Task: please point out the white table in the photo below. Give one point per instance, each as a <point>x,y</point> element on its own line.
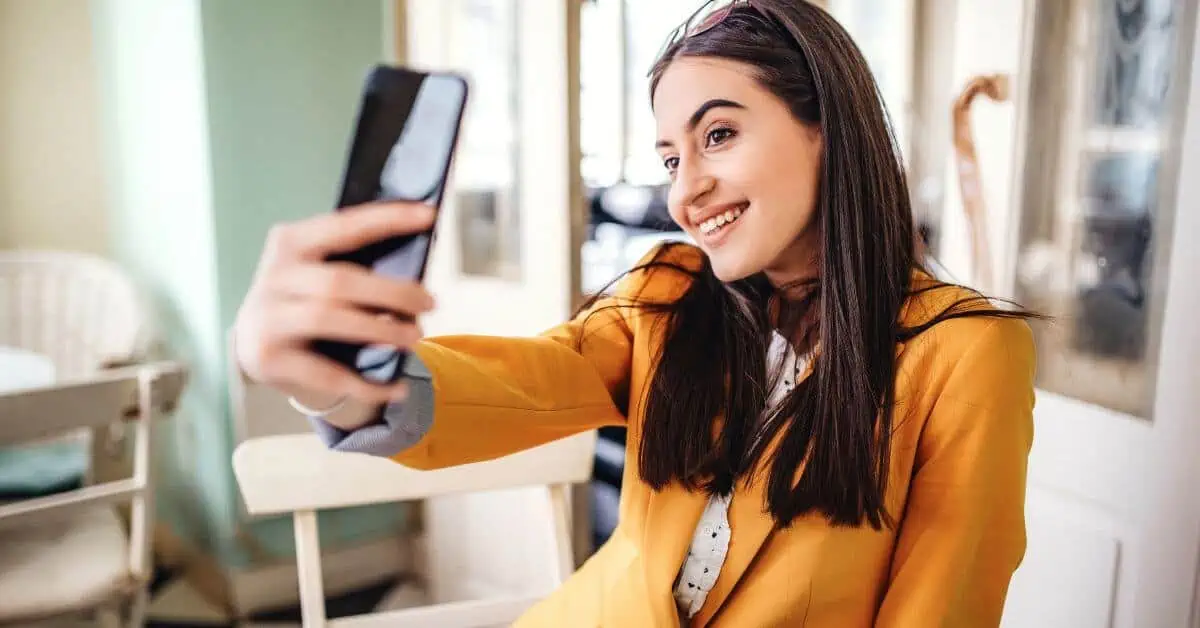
<point>21,369</point>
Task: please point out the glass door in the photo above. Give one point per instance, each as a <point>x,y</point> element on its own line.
<point>1089,232</point>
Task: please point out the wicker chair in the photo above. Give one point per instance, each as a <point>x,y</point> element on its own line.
<point>81,311</point>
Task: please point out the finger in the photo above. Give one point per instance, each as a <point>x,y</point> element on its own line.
<point>348,229</point>
<point>321,375</point>
<point>305,321</point>
<point>355,286</point>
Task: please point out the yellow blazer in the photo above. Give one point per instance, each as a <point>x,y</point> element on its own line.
<point>957,487</point>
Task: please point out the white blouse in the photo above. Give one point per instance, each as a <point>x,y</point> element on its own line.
<point>710,541</point>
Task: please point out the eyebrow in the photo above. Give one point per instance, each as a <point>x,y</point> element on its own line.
<point>701,111</point>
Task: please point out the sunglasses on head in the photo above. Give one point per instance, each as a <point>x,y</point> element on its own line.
<point>707,16</point>
<point>712,13</point>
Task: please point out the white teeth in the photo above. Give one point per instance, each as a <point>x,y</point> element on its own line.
<point>720,220</point>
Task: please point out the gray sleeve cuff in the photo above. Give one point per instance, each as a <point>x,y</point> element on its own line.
<point>404,422</point>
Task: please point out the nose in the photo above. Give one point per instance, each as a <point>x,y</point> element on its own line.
<point>691,185</point>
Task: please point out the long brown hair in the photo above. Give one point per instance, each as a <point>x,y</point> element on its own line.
<point>709,389</point>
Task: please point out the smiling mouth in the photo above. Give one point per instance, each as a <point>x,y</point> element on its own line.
<point>722,220</point>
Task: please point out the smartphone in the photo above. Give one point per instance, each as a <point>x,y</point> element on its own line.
<point>403,146</point>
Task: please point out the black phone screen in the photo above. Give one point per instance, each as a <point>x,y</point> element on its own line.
<point>403,145</point>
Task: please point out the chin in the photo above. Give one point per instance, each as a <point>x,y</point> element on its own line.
<point>730,267</point>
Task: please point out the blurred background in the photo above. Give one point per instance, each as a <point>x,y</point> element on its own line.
<point>1053,151</point>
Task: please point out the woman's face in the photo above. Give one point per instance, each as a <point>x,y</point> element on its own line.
<point>744,172</point>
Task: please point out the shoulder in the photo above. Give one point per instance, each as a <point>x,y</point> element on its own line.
<point>929,297</point>
<point>975,354</point>
<point>664,273</point>
<point>968,315</point>
<point>967,384</point>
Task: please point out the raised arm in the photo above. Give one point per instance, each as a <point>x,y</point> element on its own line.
<point>491,396</point>
<point>496,395</point>
<point>464,398</point>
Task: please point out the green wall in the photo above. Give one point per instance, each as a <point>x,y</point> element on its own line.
<point>222,117</point>
<point>283,82</point>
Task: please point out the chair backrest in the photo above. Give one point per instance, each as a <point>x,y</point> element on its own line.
<point>283,473</point>
<point>78,309</point>
<point>295,474</point>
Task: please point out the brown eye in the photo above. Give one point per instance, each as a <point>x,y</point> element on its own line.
<point>671,164</point>
<point>718,136</point>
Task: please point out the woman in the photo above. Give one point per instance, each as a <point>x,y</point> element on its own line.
<point>820,433</point>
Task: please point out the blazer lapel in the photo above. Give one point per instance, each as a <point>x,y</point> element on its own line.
<point>670,524</point>
<point>750,525</point>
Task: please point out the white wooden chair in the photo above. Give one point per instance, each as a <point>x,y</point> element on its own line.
<point>296,474</point>
<point>69,553</point>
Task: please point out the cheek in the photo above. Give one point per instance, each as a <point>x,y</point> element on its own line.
<point>789,188</point>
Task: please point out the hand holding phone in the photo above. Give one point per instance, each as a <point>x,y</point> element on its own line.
<point>403,147</point>
<point>297,296</point>
<point>361,308</point>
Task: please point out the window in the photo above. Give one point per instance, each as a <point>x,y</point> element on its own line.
<point>621,38</point>
<point>484,39</point>
<point>619,42</point>
<point>883,30</point>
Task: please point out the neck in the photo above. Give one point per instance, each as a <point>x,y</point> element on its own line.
<point>797,268</point>
<point>794,309</point>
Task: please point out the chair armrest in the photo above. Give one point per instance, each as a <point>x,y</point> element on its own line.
<point>286,473</point>
<point>100,399</point>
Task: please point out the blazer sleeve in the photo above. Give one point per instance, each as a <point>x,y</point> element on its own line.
<point>493,396</point>
<point>963,531</point>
